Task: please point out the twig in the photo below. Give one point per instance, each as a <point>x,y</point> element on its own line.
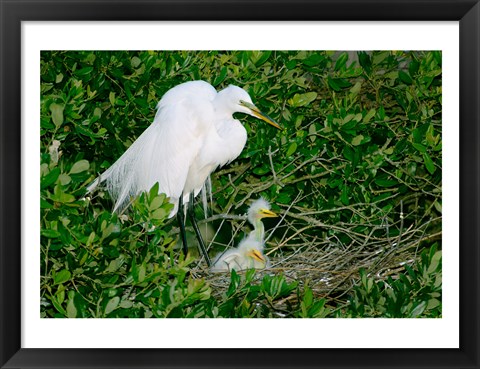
<point>275,180</point>
<point>401,224</point>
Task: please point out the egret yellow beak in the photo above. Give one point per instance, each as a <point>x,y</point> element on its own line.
<point>257,113</point>
<point>265,213</point>
<point>255,254</point>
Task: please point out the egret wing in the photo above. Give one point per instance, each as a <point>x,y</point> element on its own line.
<point>227,261</point>
<point>163,153</point>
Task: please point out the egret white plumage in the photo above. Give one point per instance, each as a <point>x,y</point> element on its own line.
<point>192,134</point>
<point>249,253</point>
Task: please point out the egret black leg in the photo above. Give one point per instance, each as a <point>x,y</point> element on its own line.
<point>181,223</point>
<point>191,215</point>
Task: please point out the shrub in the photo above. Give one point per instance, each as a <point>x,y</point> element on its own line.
<point>355,175</point>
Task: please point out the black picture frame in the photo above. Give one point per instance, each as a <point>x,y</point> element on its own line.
<point>12,355</point>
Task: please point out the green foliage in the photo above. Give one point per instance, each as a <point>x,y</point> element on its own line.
<point>245,298</point>
<point>416,293</point>
<point>359,163</point>
<point>310,307</point>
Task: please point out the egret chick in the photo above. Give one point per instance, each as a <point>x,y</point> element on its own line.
<point>249,253</point>
<point>258,210</point>
<point>193,133</point>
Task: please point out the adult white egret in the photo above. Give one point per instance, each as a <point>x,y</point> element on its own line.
<point>192,134</point>
<point>249,253</point>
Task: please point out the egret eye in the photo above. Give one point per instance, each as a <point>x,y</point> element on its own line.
<point>243,103</point>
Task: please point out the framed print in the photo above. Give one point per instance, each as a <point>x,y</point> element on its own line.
<point>244,184</point>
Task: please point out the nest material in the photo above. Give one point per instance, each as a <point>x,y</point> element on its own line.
<point>331,268</point>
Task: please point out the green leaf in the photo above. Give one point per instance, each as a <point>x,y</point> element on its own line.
<point>389,150</point>
<point>71,308</point>
<point>260,171</point>
<point>50,233</point>
<point>221,77</point>
<point>57,114</point>
<point>62,276</point>
<point>136,61</point>
<point>341,61</point>
<point>420,147</point>
<point>115,264</point>
<point>383,182</point>
<point>84,71</point>
<point>427,160</point>
<point>357,87</point>
<point>318,310</point>
<point>337,84</point>
<point>291,149</point>
<point>365,61</point>
<point>89,132</point>
<point>64,179</point>
<point>312,130</point>
<point>302,99</point>
<point>308,297</point>
<point>264,55</point>
<point>284,198</point>
<point>153,193</point>
<point>437,257</point>
<point>159,214</point>
<point>97,113</point>
<point>413,67</point>
<point>44,204</point>
<point>112,304</point>
<point>291,64</point>
<point>344,196</point>
<point>141,273</point>
<point>438,206</point>
<point>107,231</point>
<point>313,60</point>
<point>60,196</point>
<point>234,283</point>
<point>60,295</point>
<point>405,77</point>
<point>156,202</point>
<point>111,98</point>
<point>418,310</point>
<point>58,305</point>
<point>50,178</point>
<point>371,113</point>
<point>126,304</point>
<point>357,140</point>
<point>432,304</point>
<point>80,166</point>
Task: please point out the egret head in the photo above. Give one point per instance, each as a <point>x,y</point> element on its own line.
<point>239,101</point>
<point>253,254</point>
<point>260,209</point>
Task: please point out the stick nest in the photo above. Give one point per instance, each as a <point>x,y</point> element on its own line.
<point>329,257</point>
